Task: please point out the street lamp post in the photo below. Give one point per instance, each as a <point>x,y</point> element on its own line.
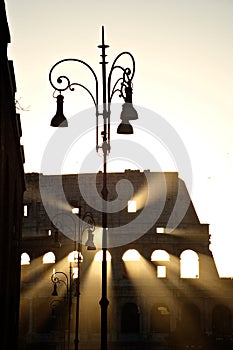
<point>88,224</point>
<point>59,277</point>
<point>123,86</point>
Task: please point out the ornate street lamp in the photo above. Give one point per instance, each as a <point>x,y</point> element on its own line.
<point>60,277</point>
<point>75,259</point>
<point>123,86</point>
<point>88,224</point>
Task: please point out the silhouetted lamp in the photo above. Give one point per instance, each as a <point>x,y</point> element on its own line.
<point>54,293</point>
<point>90,241</point>
<point>88,223</point>
<point>59,119</point>
<point>123,85</point>
<point>128,113</point>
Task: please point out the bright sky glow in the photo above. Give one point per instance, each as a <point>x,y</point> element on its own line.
<point>184,54</point>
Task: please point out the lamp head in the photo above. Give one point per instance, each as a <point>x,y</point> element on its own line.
<point>125,128</point>
<point>128,113</point>
<point>54,293</point>
<point>59,120</point>
<point>90,241</point>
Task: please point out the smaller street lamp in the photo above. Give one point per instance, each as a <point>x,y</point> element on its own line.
<point>75,259</point>
<point>60,277</point>
<point>88,224</point>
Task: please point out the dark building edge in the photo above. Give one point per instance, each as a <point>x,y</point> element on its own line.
<point>12,187</point>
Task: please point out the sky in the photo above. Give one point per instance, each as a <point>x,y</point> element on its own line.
<point>184,67</point>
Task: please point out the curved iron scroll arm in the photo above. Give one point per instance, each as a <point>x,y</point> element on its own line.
<point>126,78</point>
<point>56,280</point>
<point>68,84</point>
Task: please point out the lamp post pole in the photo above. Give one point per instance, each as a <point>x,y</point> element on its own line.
<point>79,258</point>
<point>123,86</point>
<point>105,148</point>
<point>89,224</point>
<point>76,339</point>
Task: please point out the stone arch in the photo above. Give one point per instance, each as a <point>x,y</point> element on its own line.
<point>160,319</point>
<point>131,255</point>
<point>25,259</point>
<point>161,259</point>
<point>49,258</point>
<point>190,320</point>
<point>221,320</point>
<point>130,318</point>
<point>131,264</point>
<point>189,264</point>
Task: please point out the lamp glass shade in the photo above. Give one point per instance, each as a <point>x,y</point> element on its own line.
<point>128,112</point>
<point>125,128</point>
<point>90,242</point>
<point>54,293</point>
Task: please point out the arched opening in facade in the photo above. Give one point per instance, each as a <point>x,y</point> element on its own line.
<point>25,267</point>
<point>130,318</point>
<point>49,258</point>
<point>131,255</point>
<point>160,319</point>
<point>99,256</point>
<point>48,315</point>
<point>190,324</point>
<point>221,320</point>
<point>160,258</point>
<point>189,264</point>
<point>25,259</point>
<point>131,264</point>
